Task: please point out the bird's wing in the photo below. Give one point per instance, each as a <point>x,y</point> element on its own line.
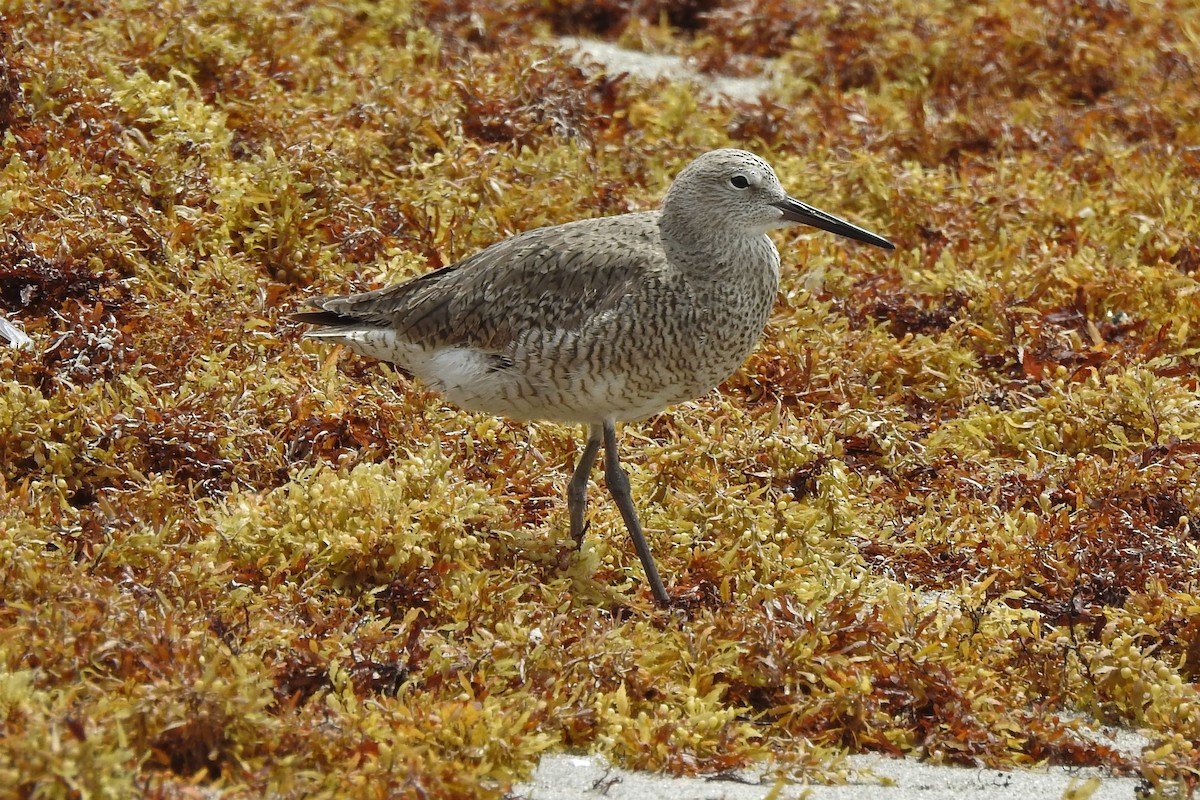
<point>549,278</point>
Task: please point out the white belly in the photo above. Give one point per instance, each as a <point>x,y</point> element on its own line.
<point>480,381</point>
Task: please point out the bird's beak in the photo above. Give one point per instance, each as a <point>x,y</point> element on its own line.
<point>795,211</point>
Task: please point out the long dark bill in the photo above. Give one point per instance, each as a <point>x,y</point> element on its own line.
<point>795,211</point>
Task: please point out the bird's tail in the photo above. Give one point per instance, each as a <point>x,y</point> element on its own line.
<point>319,318</point>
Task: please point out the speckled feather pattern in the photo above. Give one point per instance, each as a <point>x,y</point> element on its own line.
<point>604,319</point>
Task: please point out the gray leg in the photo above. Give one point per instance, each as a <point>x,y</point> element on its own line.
<point>577,488</point>
<point>618,487</point>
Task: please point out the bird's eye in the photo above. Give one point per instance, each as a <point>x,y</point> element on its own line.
<point>739,181</point>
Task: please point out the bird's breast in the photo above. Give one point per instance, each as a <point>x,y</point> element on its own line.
<point>694,337</point>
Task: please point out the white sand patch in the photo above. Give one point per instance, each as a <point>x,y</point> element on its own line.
<point>651,66</point>
<point>566,776</point>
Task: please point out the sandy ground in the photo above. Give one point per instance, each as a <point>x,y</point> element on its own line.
<point>651,66</point>
<point>566,777</point>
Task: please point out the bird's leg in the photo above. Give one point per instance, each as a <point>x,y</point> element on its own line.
<point>577,488</point>
<point>618,487</point>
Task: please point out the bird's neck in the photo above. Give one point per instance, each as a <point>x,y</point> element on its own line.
<point>714,249</point>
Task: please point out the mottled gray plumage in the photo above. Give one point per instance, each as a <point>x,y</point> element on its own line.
<point>595,321</point>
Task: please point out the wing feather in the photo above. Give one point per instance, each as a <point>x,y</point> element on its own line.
<point>557,277</point>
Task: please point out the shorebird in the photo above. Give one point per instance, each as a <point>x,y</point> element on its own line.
<point>597,321</point>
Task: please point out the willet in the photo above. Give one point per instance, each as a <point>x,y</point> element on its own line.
<point>595,321</point>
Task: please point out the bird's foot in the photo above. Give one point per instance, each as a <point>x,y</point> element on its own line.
<point>571,548</point>
<point>578,532</point>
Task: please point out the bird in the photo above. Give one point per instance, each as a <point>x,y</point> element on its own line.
<point>595,321</point>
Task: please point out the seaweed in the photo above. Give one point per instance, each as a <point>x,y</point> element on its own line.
<point>947,509</point>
